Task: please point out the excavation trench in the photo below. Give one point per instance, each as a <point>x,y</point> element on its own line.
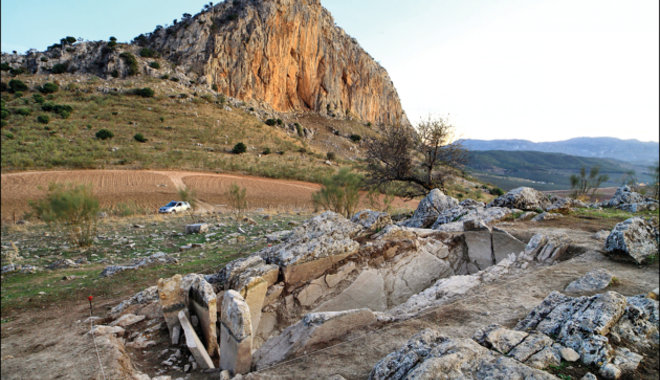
<point>315,288</point>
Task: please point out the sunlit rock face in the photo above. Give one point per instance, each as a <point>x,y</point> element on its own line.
<point>286,53</point>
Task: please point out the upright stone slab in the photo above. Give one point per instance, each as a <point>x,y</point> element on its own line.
<point>254,294</point>
<point>202,301</point>
<point>235,334</point>
<point>171,300</point>
<point>193,343</point>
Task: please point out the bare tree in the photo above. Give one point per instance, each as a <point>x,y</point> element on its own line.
<point>422,159</point>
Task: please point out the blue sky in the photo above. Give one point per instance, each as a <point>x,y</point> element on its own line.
<point>542,70</point>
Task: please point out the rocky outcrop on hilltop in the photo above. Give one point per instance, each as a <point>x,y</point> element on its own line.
<point>282,56</point>
<point>286,53</point>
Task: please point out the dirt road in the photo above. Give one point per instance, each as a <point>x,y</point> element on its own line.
<point>150,189</point>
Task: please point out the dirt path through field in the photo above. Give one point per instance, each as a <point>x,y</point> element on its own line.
<point>150,189</point>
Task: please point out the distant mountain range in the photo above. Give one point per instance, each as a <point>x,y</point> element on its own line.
<point>545,171</point>
<point>632,151</point>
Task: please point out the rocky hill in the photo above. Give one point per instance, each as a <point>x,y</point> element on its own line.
<point>282,55</point>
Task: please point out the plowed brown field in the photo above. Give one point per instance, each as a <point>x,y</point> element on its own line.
<point>151,189</point>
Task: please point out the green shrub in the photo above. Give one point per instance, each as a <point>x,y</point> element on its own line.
<point>59,68</point>
<point>140,138</point>
<point>48,88</point>
<point>174,79</point>
<point>3,87</point>
<point>17,85</point>
<point>279,122</point>
<point>299,130</point>
<point>154,65</point>
<point>355,138</point>
<point>331,156</point>
<point>340,193</point>
<point>148,53</point>
<point>4,114</point>
<point>38,98</point>
<point>496,191</point>
<point>23,111</point>
<point>115,74</point>
<point>18,94</point>
<point>271,122</point>
<point>104,134</point>
<point>239,148</point>
<point>4,66</point>
<point>131,62</point>
<point>17,71</point>
<point>214,87</point>
<point>145,92</point>
<point>43,119</point>
<point>43,59</point>
<point>64,110</point>
<point>112,43</point>
<point>71,209</point>
<point>70,40</point>
<point>237,199</point>
<point>266,151</point>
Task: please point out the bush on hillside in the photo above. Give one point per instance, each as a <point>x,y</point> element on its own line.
<point>154,65</point>
<point>23,111</point>
<point>48,88</point>
<point>140,138</point>
<point>131,62</point>
<point>148,53</point>
<point>59,68</point>
<point>38,98</point>
<point>271,122</point>
<point>104,134</point>
<point>43,119</point>
<point>239,148</point>
<point>356,138</point>
<point>145,92</point>
<point>17,85</point>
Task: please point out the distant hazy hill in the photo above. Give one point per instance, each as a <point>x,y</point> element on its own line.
<point>634,151</point>
<point>544,171</point>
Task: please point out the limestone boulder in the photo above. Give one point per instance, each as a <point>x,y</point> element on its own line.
<point>314,247</point>
<point>428,354</point>
<point>429,209</point>
<point>546,248</point>
<point>634,240</point>
<point>561,203</point>
<point>523,198</point>
<point>238,273</point>
<point>455,221</point>
<point>624,195</point>
<point>590,282</point>
<point>372,221</point>
<point>313,330</point>
<point>196,228</point>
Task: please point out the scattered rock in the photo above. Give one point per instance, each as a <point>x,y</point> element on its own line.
<point>429,209</point>
<point>61,264</point>
<point>197,228</point>
<point>546,216</point>
<point>523,198</point>
<point>591,282</point>
<point>127,320</point>
<point>633,240</point>
<point>236,334</point>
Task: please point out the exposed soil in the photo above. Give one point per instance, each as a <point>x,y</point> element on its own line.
<point>151,189</point>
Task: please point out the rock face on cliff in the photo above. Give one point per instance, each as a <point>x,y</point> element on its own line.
<point>286,53</point>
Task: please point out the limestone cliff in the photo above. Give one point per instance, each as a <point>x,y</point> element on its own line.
<point>286,53</point>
